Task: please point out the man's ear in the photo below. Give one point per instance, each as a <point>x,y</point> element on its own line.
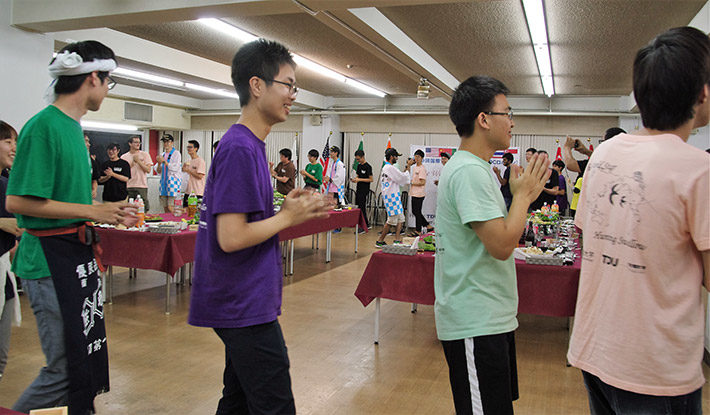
<point>94,79</point>
<point>482,122</point>
<point>256,86</point>
<point>704,94</point>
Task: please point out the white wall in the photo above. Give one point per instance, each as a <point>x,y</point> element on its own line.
<point>24,58</point>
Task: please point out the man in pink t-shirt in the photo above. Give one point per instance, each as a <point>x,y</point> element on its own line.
<point>196,170</point>
<point>645,216</point>
<point>417,190</point>
<point>141,164</point>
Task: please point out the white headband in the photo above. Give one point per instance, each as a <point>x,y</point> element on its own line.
<point>71,63</point>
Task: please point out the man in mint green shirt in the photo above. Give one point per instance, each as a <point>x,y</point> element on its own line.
<point>474,278</point>
<point>49,191</point>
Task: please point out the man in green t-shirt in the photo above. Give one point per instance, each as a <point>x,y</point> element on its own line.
<point>313,172</point>
<point>474,278</point>
<point>50,193</point>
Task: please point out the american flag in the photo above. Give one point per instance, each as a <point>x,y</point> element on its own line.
<point>324,157</point>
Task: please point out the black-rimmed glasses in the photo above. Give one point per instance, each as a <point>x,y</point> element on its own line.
<point>509,114</point>
<point>111,82</point>
<point>292,88</point>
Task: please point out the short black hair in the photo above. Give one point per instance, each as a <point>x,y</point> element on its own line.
<point>214,145</point>
<point>130,139</point>
<point>508,157</point>
<point>613,132</point>
<point>419,153</point>
<point>195,144</point>
<point>446,155</point>
<point>669,74</point>
<point>89,50</point>
<point>261,58</point>
<point>6,131</point>
<point>113,145</point>
<point>335,149</point>
<point>286,153</point>
<point>559,163</point>
<point>472,97</point>
<point>359,153</point>
<point>314,153</point>
<point>532,150</point>
<point>542,152</point>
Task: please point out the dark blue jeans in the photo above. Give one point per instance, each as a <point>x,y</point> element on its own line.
<point>256,377</point>
<point>607,400</point>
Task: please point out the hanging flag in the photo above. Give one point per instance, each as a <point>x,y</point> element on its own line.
<point>361,146</point>
<point>591,147</point>
<point>324,157</point>
<point>294,152</point>
<point>389,145</point>
<point>558,156</point>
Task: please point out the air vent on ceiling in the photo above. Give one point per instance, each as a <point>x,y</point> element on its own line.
<point>137,112</point>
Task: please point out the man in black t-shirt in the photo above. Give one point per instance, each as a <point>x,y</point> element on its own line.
<point>549,192</point>
<point>505,179</point>
<point>95,172</point>
<point>115,175</point>
<point>363,180</point>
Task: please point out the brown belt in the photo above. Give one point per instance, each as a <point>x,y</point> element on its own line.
<point>86,233</point>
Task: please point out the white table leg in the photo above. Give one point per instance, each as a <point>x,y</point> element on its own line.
<point>357,228</point>
<point>414,307</point>
<point>377,320</point>
<point>328,237</point>
<point>292,248</point>
<point>167,293</point>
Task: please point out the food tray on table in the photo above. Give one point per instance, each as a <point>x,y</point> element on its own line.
<point>402,249</point>
<point>544,260</point>
<point>165,227</point>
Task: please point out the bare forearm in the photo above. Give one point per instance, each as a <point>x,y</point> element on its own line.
<point>47,208</point>
<point>103,179</point>
<point>234,236</point>
<point>570,161</point>
<point>144,167</point>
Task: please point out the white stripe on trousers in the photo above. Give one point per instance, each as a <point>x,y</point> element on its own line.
<point>476,403</point>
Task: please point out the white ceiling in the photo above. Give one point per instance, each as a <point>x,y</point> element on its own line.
<point>592,45</point>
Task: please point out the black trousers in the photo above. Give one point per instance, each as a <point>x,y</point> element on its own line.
<point>483,374</point>
<point>256,377</point>
<point>361,202</point>
<point>417,203</point>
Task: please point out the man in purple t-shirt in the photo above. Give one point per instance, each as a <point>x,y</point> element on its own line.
<point>237,276</point>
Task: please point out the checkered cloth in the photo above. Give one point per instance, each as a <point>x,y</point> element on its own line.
<point>341,194</point>
<point>169,184</point>
<point>393,204</point>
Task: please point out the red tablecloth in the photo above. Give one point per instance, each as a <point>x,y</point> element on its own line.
<point>542,289</point>
<point>5,411</point>
<point>148,250</point>
<point>342,219</point>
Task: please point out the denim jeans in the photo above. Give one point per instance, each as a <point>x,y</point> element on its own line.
<point>607,400</point>
<point>7,315</point>
<point>51,387</point>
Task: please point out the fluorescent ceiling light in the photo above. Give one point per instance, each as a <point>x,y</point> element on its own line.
<point>228,29</point>
<point>382,25</point>
<point>221,92</point>
<point>359,85</point>
<point>108,126</point>
<point>239,34</point>
<point>307,63</point>
<point>144,76</point>
<point>535,16</point>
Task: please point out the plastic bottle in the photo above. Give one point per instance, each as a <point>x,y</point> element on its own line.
<point>555,208</point>
<point>545,209</point>
<point>140,205</point>
<point>177,205</point>
<point>191,204</point>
